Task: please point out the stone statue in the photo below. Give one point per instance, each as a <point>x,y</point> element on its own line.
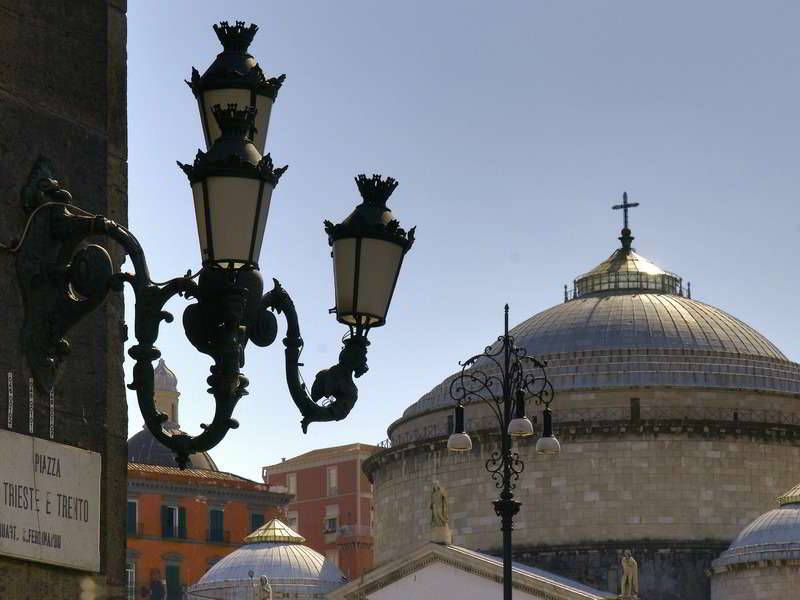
<point>440,516</point>
<point>630,577</point>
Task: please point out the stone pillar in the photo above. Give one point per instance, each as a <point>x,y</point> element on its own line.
<point>63,97</point>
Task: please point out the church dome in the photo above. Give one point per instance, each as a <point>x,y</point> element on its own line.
<point>775,535</point>
<point>144,448</point>
<point>276,552</point>
<point>627,323</point>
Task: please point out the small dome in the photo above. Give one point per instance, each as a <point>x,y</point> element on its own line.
<point>775,535</point>
<point>626,270</point>
<point>276,552</point>
<point>165,379</point>
<point>144,448</point>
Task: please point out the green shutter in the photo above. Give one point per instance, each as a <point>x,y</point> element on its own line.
<point>256,521</point>
<point>166,522</point>
<point>182,522</point>
<point>132,518</point>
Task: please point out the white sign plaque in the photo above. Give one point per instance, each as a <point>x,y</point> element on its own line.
<point>49,502</point>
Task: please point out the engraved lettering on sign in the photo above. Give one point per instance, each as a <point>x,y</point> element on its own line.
<point>49,502</point>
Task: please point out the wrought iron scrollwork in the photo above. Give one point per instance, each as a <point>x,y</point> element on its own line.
<point>63,279</point>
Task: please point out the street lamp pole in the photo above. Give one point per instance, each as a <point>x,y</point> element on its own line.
<point>503,377</point>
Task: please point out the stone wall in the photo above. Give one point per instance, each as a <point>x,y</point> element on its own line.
<point>768,581</point>
<point>609,489</point>
<point>62,96</point>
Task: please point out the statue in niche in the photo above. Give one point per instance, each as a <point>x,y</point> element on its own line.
<point>630,577</point>
<point>440,516</point>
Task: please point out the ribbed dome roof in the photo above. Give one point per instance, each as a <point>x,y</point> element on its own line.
<point>628,323</point>
<point>772,536</point>
<point>616,320</point>
<point>144,448</point>
<point>288,565</point>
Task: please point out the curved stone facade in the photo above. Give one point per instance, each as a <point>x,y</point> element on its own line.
<point>675,473</point>
<point>603,486</point>
<point>774,581</point>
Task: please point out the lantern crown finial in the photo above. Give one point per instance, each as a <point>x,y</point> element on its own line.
<point>234,121</point>
<point>235,38</point>
<point>375,189</point>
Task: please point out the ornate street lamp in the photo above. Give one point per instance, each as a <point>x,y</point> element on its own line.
<point>502,377</point>
<point>63,279</point>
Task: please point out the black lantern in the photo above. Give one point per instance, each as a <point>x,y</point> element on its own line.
<point>368,250</point>
<point>235,78</point>
<point>232,186</point>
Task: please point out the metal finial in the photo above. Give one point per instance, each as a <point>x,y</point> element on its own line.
<point>626,238</point>
<point>625,206</point>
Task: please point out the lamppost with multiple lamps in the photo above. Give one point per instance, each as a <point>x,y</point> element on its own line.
<point>63,277</point>
<point>505,378</point>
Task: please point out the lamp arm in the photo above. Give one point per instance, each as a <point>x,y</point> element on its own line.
<point>63,279</point>
<point>336,382</point>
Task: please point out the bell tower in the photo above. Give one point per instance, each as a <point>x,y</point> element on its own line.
<point>166,392</point>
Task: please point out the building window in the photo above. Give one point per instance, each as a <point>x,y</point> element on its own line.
<point>173,522</point>
<point>256,520</point>
<point>130,580</point>
<point>291,483</point>
<point>333,556</point>
<point>216,525</point>
<point>292,520</point>
<point>174,591</point>
<point>133,514</point>
<point>333,488</point>
<point>636,409</point>
<point>331,522</point>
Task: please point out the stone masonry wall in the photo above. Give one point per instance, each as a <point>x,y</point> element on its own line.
<point>765,582</point>
<point>681,494</point>
<point>62,96</point>
<point>666,487</point>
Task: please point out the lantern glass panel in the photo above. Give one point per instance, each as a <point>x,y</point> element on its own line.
<point>264,107</point>
<point>378,268</point>
<point>344,266</point>
<point>242,98</point>
<point>365,271</point>
<point>200,218</point>
<point>261,225</point>
<point>232,207</point>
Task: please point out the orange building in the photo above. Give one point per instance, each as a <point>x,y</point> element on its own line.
<point>181,522</point>
<point>332,505</point>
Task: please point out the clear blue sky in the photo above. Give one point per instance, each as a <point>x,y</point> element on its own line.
<point>512,128</point>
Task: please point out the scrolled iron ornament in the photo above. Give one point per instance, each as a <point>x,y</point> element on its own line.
<point>63,279</point>
<point>503,376</point>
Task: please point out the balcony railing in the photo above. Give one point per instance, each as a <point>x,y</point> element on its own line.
<point>222,536</point>
<point>355,530</point>
<point>175,534</point>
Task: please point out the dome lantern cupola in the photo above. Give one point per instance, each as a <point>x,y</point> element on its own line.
<point>625,269</point>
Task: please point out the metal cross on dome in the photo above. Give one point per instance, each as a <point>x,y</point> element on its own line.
<point>625,206</point>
